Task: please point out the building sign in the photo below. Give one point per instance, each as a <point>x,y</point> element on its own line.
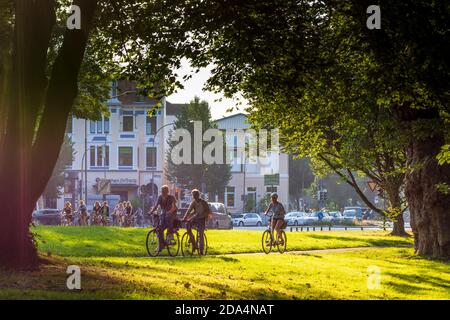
<point>104,186</point>
<point>124,181</point>
<point>272,179</point>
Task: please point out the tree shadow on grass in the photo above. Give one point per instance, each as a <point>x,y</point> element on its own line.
<point>369,242</point>
<point>408,281</point>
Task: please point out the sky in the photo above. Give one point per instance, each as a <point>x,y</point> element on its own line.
<point>194,87</point>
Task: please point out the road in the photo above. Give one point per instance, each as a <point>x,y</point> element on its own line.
<point>407,226</point>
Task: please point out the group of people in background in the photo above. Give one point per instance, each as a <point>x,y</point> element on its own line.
<point>122,214</point>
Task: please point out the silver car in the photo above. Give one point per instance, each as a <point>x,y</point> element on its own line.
<point>247,219</point>
<point>296,218</point>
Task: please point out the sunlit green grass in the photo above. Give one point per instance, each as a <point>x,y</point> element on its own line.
<point>337,275</point>
<point>114,265</point>
<point>130,242</point>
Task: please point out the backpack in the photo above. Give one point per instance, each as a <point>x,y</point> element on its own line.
<point>206,209</point>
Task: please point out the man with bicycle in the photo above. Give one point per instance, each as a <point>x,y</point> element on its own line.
<point>168,205</point>
<point>278,213</point>
<point>196,216</point>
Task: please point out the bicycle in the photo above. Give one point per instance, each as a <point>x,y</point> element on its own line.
<point>268,239</point>
<point>187,247</point>
<point>152,241</point>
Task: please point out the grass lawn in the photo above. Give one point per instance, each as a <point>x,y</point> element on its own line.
<point>130,242</point>
<point>114,266</point>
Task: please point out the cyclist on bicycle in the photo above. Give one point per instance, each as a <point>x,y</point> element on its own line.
<point>168,205</point>
<point>196,216</point>
<point>83,213</point>
<point>68,213</point>
<point>278,213</point>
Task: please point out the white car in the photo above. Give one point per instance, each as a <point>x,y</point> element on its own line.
<point>247,219</point>
<point>350,215</point>
<point>295,218</point>
<point>336,216</point>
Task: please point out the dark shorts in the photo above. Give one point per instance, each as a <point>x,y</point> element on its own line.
<point>275,220</point>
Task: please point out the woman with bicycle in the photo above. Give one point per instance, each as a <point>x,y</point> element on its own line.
<point>67,214</point>
<point>96,214</point>
<point>82,210</point>
<point>277,211</point>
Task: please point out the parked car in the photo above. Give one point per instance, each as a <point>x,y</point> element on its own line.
<point>47,217</point>
<point>220,218</point>
<point>312,217</point>
<point>296,218</point>
<point>358,212</point>
<point>335,216</point>
<point>350,215</point>
<point>247,219</point>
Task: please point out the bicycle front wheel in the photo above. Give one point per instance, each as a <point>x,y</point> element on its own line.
<point>152,243</point>
<point>267,241</point>
<point>282,242</point>
<point>173,245</point>
<point>187,248</point>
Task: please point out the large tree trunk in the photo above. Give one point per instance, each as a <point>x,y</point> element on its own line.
<point>29,147</point>
<point>392,188</point>
<point>430,209</point>
<point>399,227</point>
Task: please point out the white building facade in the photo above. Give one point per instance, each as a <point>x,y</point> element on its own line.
<point>252,181</point>
<point>127,148</point>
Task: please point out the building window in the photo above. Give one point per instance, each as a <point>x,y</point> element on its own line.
<point>271,189</point>
<point>127,123</point>
<point>230,197</point>
<point>92,127</point>
<point>100,126</point>
<point>92,156</point>
<point>151,157</point>
<point>150,125</point>
<point>99,156</point>
<point>106,163</point>
<point>114,89</point>
<point>106,125</point>
<point>125,156</point>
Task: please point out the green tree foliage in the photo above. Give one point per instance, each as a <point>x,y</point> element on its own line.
<point>215,177</point>
<point>318,62</point>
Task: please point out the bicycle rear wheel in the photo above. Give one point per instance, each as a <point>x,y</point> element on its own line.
<point>205,242</point>
<point>152,243</point>
<point>187,249</point>
<point>266,241</point>
<point>205,246</point>
<point>282,244</point>
<point>173,246</point>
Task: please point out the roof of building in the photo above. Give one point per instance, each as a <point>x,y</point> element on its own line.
<point>232,116</point>
<point>173,109</point>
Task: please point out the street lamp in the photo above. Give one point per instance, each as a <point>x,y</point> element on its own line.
<point>153,169</point>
